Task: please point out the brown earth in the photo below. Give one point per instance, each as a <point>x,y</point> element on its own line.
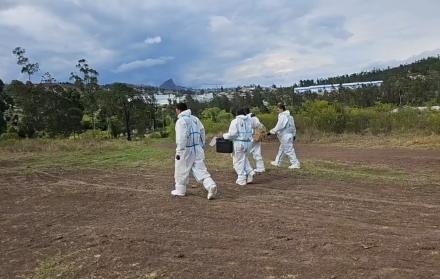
<point>124,224</point>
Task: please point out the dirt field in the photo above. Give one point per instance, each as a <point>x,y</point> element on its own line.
<point>124,224</point>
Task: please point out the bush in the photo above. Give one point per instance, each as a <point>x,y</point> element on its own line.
<point>318,118</point>
<point>269,120</point>
<point>95,135</point>
<point>408,120</point>
<point>87,122</point>
<point>380,123</point>
<point>216,127</point>
<point>357,121</point>
<point>9,136</point>
<point>158,135</point>
<point>116,126</point>
<point>433,122</point>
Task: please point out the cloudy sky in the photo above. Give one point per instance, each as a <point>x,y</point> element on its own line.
<point>204,42</point>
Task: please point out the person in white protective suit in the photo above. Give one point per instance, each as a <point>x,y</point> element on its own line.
<point>240,131</point>
<point>190,156</point>
<point>286,132</point>
<point>256,145</point>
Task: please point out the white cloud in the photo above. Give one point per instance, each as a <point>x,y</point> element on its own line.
<point>146,63</point>
<point>218,23</point>
<point>265,41</point>
<point>52,40</point>
<point>153,40</point>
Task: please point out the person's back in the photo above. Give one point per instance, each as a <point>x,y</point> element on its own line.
<point>194,134</point>
<point>244,127</point>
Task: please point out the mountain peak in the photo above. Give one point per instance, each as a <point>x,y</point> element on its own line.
<point>169,85</point>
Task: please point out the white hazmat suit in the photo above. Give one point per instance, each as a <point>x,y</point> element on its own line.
<point>286,131</point>
<point>256,146</point>
<point>240,131</point>
<point>190,156</point>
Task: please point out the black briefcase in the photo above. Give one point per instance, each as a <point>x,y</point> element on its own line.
<point>224,146</point>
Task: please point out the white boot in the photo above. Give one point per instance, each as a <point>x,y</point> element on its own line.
<point>241,182</point>
<point>212,192</point>
<point>273,163</point>
<point>292,167</point>
<point>250,177</point>
<point>179,191</point>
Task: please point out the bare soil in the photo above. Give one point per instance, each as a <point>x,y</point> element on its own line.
<point>125,224</point>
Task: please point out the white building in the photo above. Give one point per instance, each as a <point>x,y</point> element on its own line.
<point>321,89</point>
<point>163,99</point>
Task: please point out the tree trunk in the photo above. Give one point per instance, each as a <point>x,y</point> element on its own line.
<point>127,124</point>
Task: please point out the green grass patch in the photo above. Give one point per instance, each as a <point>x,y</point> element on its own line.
<point>53,268</point>
<point>32,155</point>
<point>408,141</point>
<point>343,171</point>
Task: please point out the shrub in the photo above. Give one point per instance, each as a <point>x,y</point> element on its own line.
<point>87,122</point>
<point>269,120</point>
<point>95,135</point>
<point>216,127</point>
<point>9,136</point>
<point>158,135</point>
<point>116,126</point>
<point>433,122</point>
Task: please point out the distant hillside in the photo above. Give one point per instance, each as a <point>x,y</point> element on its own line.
<point>419,69</point>
<point>413,84</point>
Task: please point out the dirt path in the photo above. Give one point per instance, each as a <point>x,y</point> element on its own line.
<point>124,224</point>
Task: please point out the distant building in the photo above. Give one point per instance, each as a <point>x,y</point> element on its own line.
<point>436,108</point>
<point>323,88</point>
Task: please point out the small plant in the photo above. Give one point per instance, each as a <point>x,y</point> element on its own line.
<point>52,268</point>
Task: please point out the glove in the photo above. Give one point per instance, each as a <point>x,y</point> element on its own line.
<point>294,138</point>
<point>177,157</point>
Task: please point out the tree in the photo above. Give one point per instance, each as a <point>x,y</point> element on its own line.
<point>28,114</point>
<point>45,109</point>
<point>47,78</point>
<point>86,81</point>
<point>5,104</point>
<point>123,102</point>
<point>87,78</point>
<point>27,67</point>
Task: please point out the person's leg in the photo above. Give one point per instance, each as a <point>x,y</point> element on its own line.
<point>201,174</point>
<point>240,163</point>
<point>280,156</point>
<point>182,168</point>
<point>248,169</point>
<point>290,152</point>
<point>256,153</point>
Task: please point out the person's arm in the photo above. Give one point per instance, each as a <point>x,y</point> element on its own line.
<point>280,125</point>
<point>256,124</point>
<point>181,135</point>
<point>202,133</point>
<point>233,131</point>
<point>293,127</point>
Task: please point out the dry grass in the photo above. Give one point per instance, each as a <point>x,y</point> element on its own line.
<point>381,141</point>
